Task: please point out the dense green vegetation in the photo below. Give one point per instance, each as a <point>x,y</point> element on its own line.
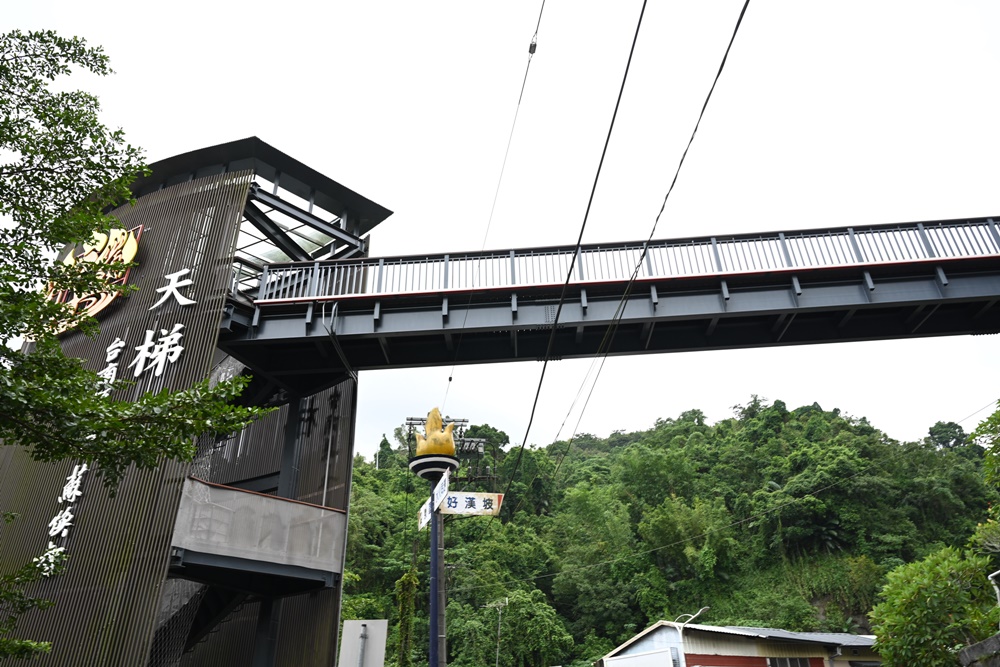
<point>775,517</point>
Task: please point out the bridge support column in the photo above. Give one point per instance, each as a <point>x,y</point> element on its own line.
<point>269,614</point>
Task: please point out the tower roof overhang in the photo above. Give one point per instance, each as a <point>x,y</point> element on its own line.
<point>273,165</point>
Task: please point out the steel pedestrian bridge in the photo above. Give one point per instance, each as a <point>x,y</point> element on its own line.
<point>306,325</point>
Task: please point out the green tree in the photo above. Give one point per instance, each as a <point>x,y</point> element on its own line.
<point>15,601</point>
<point>495,438</point>
<point>777,517</point>
<point>406,589</point>
<point>387,457</point>
<point>591,650</point>
<point>987,435</point>
<point>531,634</point>
<point>61,170</point>
<point>693,540</point>
<point>651,474</point>
<point>932,608</point>
<point>531,489</point>
<point>593,536</point>
<point>947,434</point>
<point>487,558</point>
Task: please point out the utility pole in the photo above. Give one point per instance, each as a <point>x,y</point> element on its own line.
<point>499,607</point>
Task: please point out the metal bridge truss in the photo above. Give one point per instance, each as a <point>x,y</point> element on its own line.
<point>274,228</point>
<point>313,323</point>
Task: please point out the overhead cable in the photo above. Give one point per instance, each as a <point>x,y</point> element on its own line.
<point>579,242</point>
<point>531,52</point>
<point>609,334</point>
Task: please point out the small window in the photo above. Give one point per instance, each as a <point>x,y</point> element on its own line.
<point>788,662</point>
<point>675,657</point>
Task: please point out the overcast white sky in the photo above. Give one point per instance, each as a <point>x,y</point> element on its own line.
<point>828,114</point>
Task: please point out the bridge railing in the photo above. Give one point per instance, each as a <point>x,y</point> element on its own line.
<point>600,263</point>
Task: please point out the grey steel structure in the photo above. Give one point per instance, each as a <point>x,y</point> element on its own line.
<point>322,319</point>
<point>235,559</point>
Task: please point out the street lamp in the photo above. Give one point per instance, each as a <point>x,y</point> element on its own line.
<point>691,617</point>
<point>680,630</point>
<point>435,458</point>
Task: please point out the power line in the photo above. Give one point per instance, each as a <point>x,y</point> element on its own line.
<point>988,405</point>
<point>572,263</point>
<point>503,167</point>
<point>701,115</point>
<point>605,345</point>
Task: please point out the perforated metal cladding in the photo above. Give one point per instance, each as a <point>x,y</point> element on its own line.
<point>307,634</point>
<point>325,451</point>
<point>252,453</point>
<point>326,455</point>
<point>307,624</point>
<point>106,604</point>
<point>231,643</point>
<point>179,604</point>
<point>309,630</point>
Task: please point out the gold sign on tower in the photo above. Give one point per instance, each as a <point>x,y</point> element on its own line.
<point>115,246</point>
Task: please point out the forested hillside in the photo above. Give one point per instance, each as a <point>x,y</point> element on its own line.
<point>775,517</point>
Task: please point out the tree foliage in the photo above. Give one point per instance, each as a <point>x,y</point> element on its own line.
<point>406,588</point>
<point>15,601</point>
<point>947,434</point>
<point>61,171</point>
<point>987,436</point>
<point>934,607</point>
<point>777,517</point>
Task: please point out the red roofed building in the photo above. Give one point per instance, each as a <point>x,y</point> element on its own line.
<point>669,644</point>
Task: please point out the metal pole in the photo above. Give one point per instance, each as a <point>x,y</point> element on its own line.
<point>680,630</point>
<point>434,660</point>
<point>266,635</point>
<point>442,599</point>
<point>363,642</point>
<point>288,475</point>
<point>499,607</point>
<point>499,618</point>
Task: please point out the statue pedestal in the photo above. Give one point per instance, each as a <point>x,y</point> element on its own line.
<point>432,466</point>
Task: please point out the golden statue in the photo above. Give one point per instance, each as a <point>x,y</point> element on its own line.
<point>438,440</point>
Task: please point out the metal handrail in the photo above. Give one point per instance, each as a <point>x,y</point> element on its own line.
<point>602,263</point>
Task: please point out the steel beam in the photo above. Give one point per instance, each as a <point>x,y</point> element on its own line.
<point>305,217</point>
<point>399,318</point>
<point>275,234</point>
<point>697,319</point>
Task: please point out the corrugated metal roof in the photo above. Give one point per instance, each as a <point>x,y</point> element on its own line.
<point>741,632</point>
<point>826,638</point>
<point>832,638</point>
